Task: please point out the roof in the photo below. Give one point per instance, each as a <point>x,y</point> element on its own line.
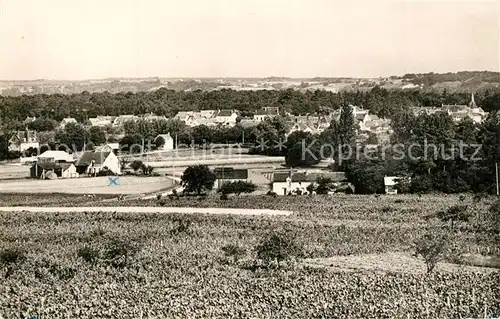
<point>88,157</point>
<point>308,177</point>
<point>53,165</point>
<point>230,173</point>
<point>56,155</point>
<point>165,136</point>
<point>225,113</point>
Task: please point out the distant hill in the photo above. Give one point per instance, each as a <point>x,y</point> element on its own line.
<point>460,82</point>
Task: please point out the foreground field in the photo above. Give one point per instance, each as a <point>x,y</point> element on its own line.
<point>175,267</point>
<point>85,185</point>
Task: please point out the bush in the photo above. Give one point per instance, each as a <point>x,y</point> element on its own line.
<point>234,251</point>
<point>271,193</point>
<point>224,197</point>
<point>118,252</point>
<point>11,256</point>
<point>89,255</point>
<point>237,187</point>
<point>277,247</point>
<point>431,247</point>
<point>182,225</point>
<point>454,213</point>
<point>136,165</point>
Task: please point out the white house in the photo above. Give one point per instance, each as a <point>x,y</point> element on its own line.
<point>92,162</point>
<point>101,121</point>
<point>23,140</point>
<point>226,117</point>
<point>266,112</point>
<point>169,142</point>
<point>390,183</point>
<point>120,120</point>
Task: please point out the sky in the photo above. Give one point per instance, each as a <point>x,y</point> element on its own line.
<point>91,39</point>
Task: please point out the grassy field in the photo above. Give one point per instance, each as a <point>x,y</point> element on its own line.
<point>96,185</point>
<point>356,260</point>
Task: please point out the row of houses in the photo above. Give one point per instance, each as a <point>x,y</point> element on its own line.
<point>456,112</point>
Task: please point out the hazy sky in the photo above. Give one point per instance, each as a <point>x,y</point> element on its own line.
<point>73,39</point>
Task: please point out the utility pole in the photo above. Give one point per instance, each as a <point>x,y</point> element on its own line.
<point>496,175</point>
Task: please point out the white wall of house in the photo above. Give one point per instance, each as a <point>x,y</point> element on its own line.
<point>112,163</point>
<point>282,188</point>
<point>169,144</point>
<point>70,172</point>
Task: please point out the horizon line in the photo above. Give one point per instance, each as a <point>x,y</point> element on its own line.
<point>243,77</point>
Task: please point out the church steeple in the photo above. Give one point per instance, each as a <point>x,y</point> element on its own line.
<point>472,101</point>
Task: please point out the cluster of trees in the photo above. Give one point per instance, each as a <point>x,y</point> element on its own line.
<point>82,106</point>
<point>433,154</point>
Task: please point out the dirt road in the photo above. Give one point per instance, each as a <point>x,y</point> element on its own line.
<point>166,210</point>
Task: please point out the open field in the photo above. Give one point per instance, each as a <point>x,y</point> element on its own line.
<point>14,171</point>
<point>356,262</point>
<point>95,185</point>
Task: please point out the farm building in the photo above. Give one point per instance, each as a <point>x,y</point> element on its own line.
<point>50,170</point>
<point>92,162</point>
<point>229,174</point>
<point>169,142</point>
<point>285,183</point>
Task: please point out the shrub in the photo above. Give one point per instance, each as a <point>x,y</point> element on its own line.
<point>11,256</point>
<point>277,247</point>
<point>453,214</point>
<point>136,165</point>
<point>118,252</point>
<point>89,255</point>
<point>234,251</point>
<point>237,187</point>
<point>182,225</point>
<point>431,247</point>
<point>271,193</point>
<point>224,197</point>
<point>63,273</point>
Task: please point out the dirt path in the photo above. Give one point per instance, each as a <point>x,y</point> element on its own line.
<point>166,210</point>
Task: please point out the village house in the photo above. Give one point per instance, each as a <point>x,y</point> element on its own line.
<point>191,118</point>
<point>120,120</point>
<point>226,117</point>
<point>153,117</point>
<point>246,122</point>
<point>65,121</point>
<point>92,162</point>
<point>285,183</point>
<point>229,174</point>
<point>169,142</point>
<point>101,121</point>
<point>54,164</point>
<point>23,140</point>
<point>266,112</point>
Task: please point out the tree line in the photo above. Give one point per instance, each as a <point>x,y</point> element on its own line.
<point>380,101</point>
